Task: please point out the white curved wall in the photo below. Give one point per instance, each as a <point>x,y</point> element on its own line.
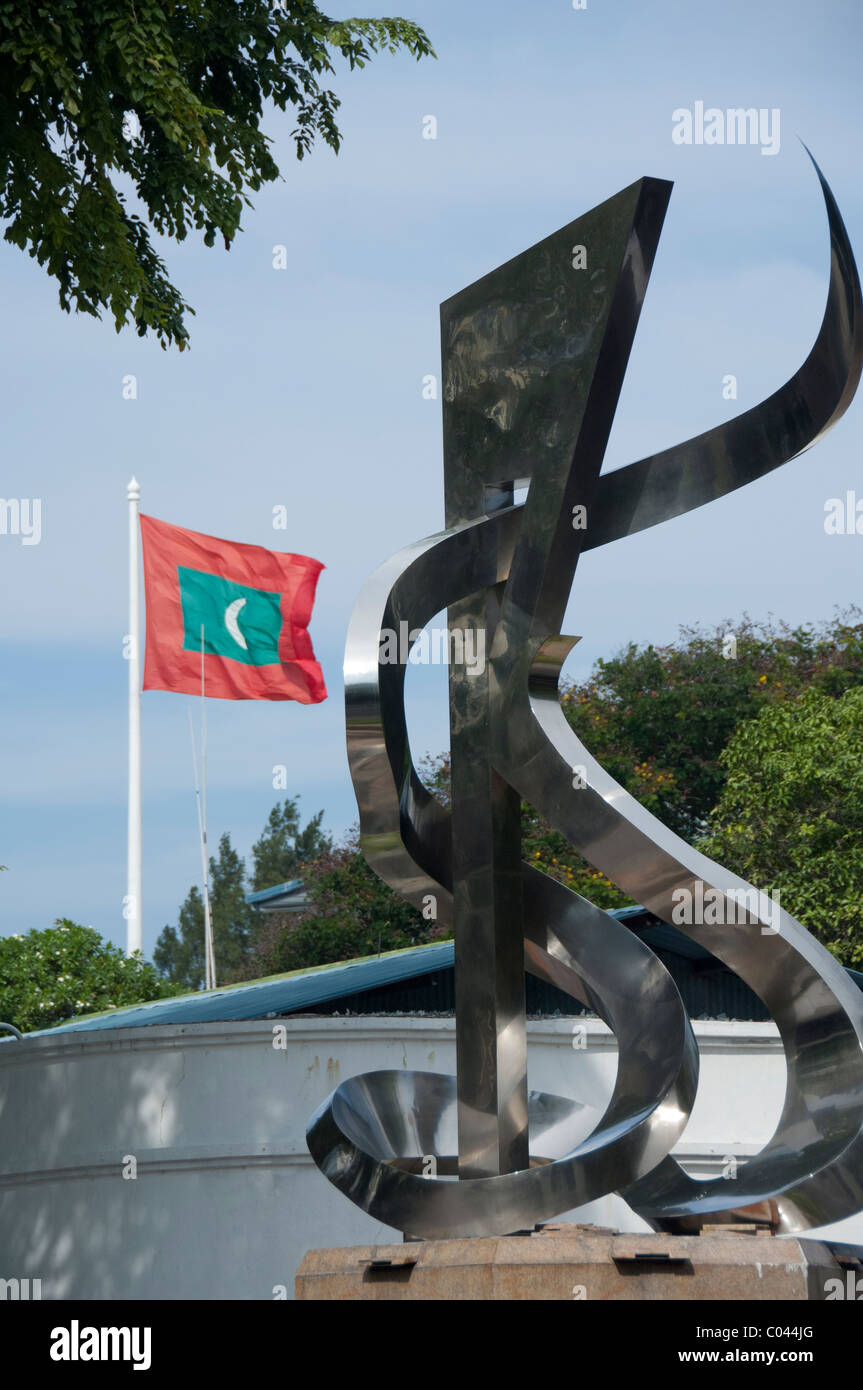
<point>227,1200</point>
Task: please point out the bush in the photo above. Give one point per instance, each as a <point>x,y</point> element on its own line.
<point>790,817</point>
<point>67,970</point>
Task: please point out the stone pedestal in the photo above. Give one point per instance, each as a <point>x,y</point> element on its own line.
<point>577,1262</point>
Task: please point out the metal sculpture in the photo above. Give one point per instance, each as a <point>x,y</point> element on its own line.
<point>534,356</point>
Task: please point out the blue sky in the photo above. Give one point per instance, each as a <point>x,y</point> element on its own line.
<point>303,388</point>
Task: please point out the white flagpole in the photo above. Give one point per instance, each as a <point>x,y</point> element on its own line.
<point>132,910</point>
<point>208,921</point>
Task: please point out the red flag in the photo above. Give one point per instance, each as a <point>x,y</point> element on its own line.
<point>253,605</point>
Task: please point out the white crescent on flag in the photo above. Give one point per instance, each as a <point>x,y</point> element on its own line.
<point>232,612</point>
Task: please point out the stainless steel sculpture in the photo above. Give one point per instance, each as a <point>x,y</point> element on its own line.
<point>534,356</point>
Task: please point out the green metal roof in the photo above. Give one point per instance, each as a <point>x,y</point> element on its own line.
<point>304,990</point>
<point>279,994</point>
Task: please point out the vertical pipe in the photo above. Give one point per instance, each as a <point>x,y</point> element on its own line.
<point>132,909</point>
<point>209,948</point>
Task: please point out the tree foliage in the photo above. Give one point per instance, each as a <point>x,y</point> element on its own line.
<point>352,912</point>
<point>278,855</point>
<point>67,970</point>
<point>790,816</point>
<point>285,846</point>
<point>542,846</point>
<point>179,952</point>
<point>110,109</point>
<point>658,718</point>
<point>667,723</point>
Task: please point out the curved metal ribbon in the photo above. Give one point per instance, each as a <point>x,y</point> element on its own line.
<point>371,1121</point>
<point>372,1133</point>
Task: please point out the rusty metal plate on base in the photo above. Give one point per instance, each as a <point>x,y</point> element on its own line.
<point>576,1263</point>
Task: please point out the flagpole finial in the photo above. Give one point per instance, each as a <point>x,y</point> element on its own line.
<point>133,491</point>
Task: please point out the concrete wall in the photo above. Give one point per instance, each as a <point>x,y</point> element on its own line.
<point>227,1200</point>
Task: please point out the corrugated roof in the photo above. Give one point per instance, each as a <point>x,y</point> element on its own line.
<point>265,894</point>
<point>306,989</point>
<point>279,994</point>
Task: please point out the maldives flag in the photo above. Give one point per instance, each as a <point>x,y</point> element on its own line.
<point>254,606</point>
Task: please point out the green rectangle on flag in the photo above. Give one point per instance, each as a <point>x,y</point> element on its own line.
<point>240,623</point>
